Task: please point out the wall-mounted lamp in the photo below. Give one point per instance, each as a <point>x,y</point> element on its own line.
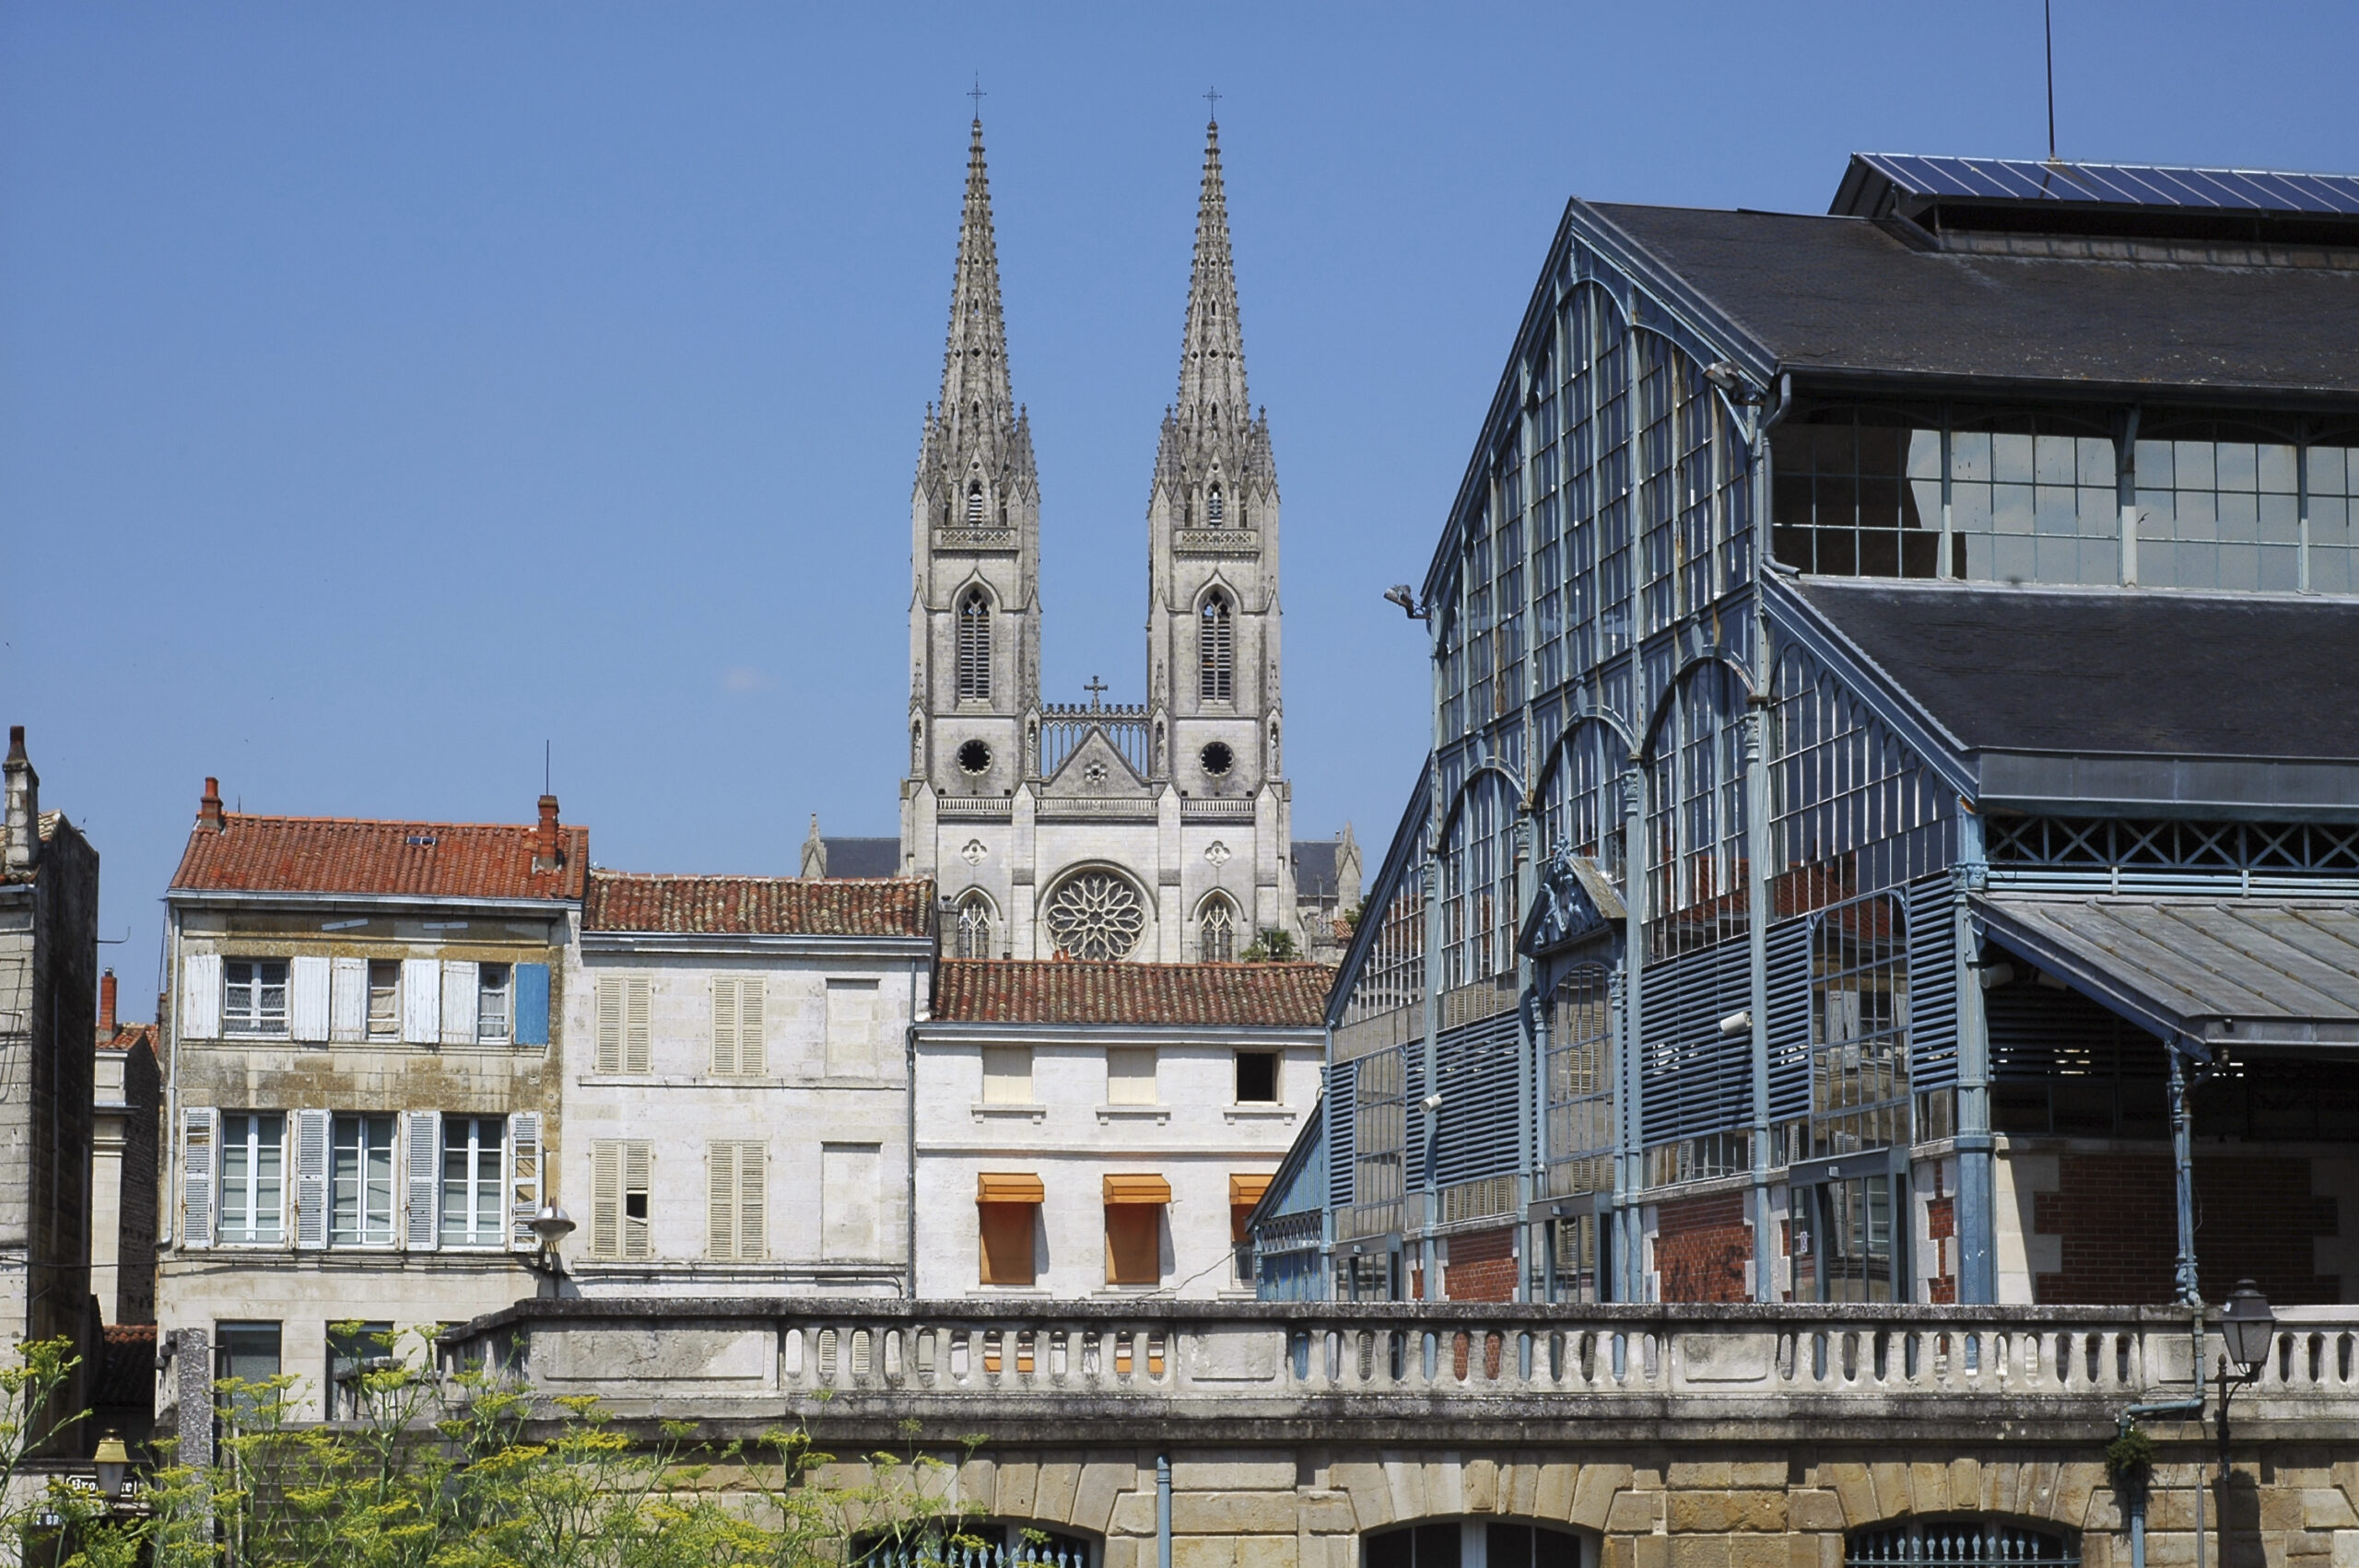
<point>1401,593</point>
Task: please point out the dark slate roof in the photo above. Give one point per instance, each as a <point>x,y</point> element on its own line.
<point>2090,671</point>
<point>1847,295</point>
<point>863,857</point>
<point>759,906</point>
<point>1314,867</point>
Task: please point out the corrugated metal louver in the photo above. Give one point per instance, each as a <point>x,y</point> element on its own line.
<point>1695,1079</point>
<point>1480,1118</point>
<point>1790,1021</point>
<point>1932,985</point>
<point>1343,1082</point>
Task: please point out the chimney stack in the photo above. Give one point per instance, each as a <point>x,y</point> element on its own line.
<point>545,856</point>
<point>208,807</point>
<point>106,1005</point>
<point>24,805</point>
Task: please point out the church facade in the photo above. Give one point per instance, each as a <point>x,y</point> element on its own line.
<point>1157,831</point>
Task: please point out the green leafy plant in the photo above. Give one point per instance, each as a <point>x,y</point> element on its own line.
<point>1271,945</point>
<point>2130,1463</point>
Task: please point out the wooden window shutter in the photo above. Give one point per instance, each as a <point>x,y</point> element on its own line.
<point>637,1048</point>
<point>199,1126</point>
<point>725,1028</point>
<point>461,985</point>
<point>610,1023</point>
<point>752,997</point>
<point>753,1161</point>
<point>639,1159</point>
<point>531,1001</point>
<point>422,1133</point>
<point>525,1157</point>
<point>421,1001</point>
<point>307,1009</point>
<point>201,996</point>
<point>348,1000</point>
<point>606,1198</point>
<point>311,1129</point>
<point>720,1195</point>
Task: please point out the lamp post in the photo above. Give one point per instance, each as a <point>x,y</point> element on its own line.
<point>552,1225</point>
<point>2246,1329</point>
<point>113,1461</point>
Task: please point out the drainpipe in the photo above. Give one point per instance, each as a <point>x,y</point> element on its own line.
<point>1163,1511</point>
<point>910,1128</point>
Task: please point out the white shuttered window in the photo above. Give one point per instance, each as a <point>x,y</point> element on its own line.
<point>196,1176</point>
<point>201,996</point>
<point>624,1037</point>
<point>348,1000</point>
<point>308,1010</point>
<point>459,999</point>
<point>421,1001</point>
<point>736,1173</point>
<point>619,1173</point>
<point>523,1178</point>
<point>737,1016</point>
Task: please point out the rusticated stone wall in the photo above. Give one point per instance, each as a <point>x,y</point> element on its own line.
<point>1686,1507</point>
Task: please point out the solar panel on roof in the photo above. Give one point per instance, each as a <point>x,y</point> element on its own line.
<point>2000,179</point>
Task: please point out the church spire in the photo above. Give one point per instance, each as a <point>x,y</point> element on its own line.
<point>976,393</point>
<point>1212,355</point>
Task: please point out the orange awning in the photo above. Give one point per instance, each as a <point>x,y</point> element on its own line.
<point>1008,1186</point>
<point>1243,1189</point>
<point>1137,1189</point>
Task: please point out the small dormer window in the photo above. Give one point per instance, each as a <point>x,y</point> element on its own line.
<point>1214,512</point>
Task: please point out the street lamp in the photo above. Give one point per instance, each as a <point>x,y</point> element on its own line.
<point>113,1461</point>
<point>2246,1329</point>
<point>552,1225</point>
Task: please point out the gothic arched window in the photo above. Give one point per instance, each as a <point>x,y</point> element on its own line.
<point>1215,512</point>
<point>975,645</point>
<point>1216,650</point>
<point>975,504</point>
<point>974,937</point>
<point>1216,931</point>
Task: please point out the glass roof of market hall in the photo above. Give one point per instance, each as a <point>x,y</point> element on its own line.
<point>2000,179</point>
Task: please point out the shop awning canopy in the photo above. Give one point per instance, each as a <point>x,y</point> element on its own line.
<point>1137,1189</point>
<point>1008,1186</point>
<point>1247,1188</point>
<point>2270,973</point>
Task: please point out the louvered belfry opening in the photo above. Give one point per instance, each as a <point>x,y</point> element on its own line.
<point>1215,651</point>
<point>975,647</point>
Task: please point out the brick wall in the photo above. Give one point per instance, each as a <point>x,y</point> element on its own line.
<point>1481,1267</point>
<point>1941,1230</point>
<point>1703,1249</point>
<point>2256,1219</point>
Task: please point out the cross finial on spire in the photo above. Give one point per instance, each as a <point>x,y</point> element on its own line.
<point>1097,688</point>
<point>1212,100</point>
<point>978,94</point>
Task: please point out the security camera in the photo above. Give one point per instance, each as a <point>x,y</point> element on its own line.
<point>1431,1102</point>
<point>1737,1022</point>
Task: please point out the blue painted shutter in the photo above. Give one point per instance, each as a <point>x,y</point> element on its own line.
<point>1343,1085</point>
<point>1476,1069</point>
<point>1790,1021</point>
<point>531,1004</point>
<point>1694,1079</point>
<point>1932,985</point>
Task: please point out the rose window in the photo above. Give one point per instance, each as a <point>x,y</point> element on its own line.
<point>1095,914</point>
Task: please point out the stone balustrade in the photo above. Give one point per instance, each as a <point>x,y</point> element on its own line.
<point>1277,1372</point>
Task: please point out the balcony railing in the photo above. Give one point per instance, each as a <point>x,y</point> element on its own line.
<point>1057,1363</point>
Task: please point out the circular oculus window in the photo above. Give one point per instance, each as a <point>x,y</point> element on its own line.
<point>1217,758</point>
<point>975,756</point>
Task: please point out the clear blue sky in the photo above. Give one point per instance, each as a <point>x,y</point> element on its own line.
<point>387,388</point>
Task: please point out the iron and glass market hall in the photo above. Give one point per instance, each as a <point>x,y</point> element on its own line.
<point>1892,828</point>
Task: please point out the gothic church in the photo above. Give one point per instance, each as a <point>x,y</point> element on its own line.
<point>1157,831</point>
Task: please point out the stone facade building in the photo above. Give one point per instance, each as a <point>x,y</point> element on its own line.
<point>736,1107</point>
<point>359,1081</point>
<point>1101,1129</point>
<point>49,949</point>
<point>1158,831</point>
<point>126,1127</point>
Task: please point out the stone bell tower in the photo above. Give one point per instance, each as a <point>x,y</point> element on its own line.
<point>975,556</point>
<point>1212,607</point>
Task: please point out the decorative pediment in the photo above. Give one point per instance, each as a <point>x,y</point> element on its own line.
<point>1097,768</point>
<point>1575,902</point>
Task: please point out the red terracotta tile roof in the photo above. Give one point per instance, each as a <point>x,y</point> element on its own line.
<point>330,855</point>
<point>1062,991</point>
<point>759,906</point>
<point>127,1035</point>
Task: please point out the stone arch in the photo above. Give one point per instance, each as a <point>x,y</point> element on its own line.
<point>1478,1541</point>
